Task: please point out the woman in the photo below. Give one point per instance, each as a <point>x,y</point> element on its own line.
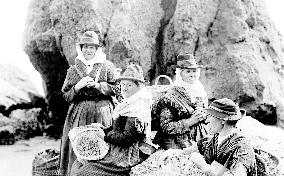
<point>172,115</point>
<point>228,152</point>
<point>88,87</point>
<point>131,127</point>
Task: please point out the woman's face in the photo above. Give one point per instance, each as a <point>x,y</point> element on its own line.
<point>214,125</point>
<point>89,51</point>
<point>190,75</point>
<point>128,88</point>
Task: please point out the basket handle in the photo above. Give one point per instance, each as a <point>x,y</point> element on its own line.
<point>163,76</point>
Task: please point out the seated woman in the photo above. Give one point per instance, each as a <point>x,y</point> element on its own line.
<point>131,127</point>
<point>227,152</point>
<point>172,114</point>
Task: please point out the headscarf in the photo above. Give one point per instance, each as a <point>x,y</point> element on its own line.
<point>139,106</point>
<point>196,89</point>
<point>100,57</point>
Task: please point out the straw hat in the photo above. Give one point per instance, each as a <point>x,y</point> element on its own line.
<point>186,61</point>
<point>225,109</point>
<point>86,144</point>
<point>90,38</point>
<point>133,73</point>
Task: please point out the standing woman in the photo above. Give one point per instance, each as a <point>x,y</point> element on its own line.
<point>131,127</point>
<point>173,115</point>
<point>88,87</point>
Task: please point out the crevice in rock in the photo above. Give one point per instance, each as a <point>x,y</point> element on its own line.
<point>158,66</point>
<point>208,32</point>
<point>105,39</point>
<point>196,45</point>
<point>270,49</point>
<point>265,113</point>
<point>241,40</point>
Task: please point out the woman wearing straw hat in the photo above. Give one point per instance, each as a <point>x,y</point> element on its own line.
<point>88,87</point>
<point>131,127</point>
<point>227,152</point>
<point>172,114</point>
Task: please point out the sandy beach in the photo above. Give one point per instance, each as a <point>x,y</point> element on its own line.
<point>16,160</point>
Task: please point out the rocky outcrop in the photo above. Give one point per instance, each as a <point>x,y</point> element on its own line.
<point>240,49</point>
<point>16,90</point>
<point>42,46</point>
<point>234,39</point>
<point>18,95</point>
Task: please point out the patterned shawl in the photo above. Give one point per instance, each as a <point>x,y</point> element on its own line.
<point>232,150</point>
<point>138,105</point>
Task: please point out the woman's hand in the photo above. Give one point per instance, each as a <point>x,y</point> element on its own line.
<point>84,82</point>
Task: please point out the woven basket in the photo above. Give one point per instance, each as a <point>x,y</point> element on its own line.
<point>159,90</point>
<point>267,163</point>
<point>46,163</point>
<point>86,144</point>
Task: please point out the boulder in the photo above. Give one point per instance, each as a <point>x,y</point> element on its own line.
<point>240,49</point>
<point>16,89</point>
<point>235,40</point>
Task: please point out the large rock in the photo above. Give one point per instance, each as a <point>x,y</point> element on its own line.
<point>240,49</point>
<point>234,39</point>
<point>16,90</point>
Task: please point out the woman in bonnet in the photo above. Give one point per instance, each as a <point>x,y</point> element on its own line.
<point>173,114</point>
<point>88,87</point>
<point>131,127</point>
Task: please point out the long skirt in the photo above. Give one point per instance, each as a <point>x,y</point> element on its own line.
<point>117,162</point>
<point>80,114</point>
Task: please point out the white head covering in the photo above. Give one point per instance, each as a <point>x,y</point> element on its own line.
<point>196,89</point>
<point>138,105</point>
<point>100,57</point>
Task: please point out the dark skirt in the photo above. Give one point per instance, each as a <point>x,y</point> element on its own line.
<point>80,114</point>
<point>118,161</point>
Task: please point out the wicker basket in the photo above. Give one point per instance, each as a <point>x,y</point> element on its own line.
<point>159,90</point>
<point>46,163</point>
<point>267,163</point>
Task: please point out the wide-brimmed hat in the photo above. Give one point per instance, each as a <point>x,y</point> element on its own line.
<point>133,73</point>
<point>186,61</point>
<point>86,144</point>
<point>225,109</point>
<point>89,38</point>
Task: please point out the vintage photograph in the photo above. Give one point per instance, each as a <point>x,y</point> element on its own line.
<point>142,88</point>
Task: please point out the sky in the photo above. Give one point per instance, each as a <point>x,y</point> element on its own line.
<point>12,17</point>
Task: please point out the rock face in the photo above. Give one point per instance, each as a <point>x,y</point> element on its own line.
<point>16,90</point>
<point>234,39</point>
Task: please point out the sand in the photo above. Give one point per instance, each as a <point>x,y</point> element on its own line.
<point>16,160</point>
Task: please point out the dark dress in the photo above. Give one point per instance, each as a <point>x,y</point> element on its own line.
<point>124,151</point>
<point>87,106</point>
<point>233,150</point>
<point>172,119</point>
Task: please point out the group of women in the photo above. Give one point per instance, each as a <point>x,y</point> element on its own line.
<point>182,117</point>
